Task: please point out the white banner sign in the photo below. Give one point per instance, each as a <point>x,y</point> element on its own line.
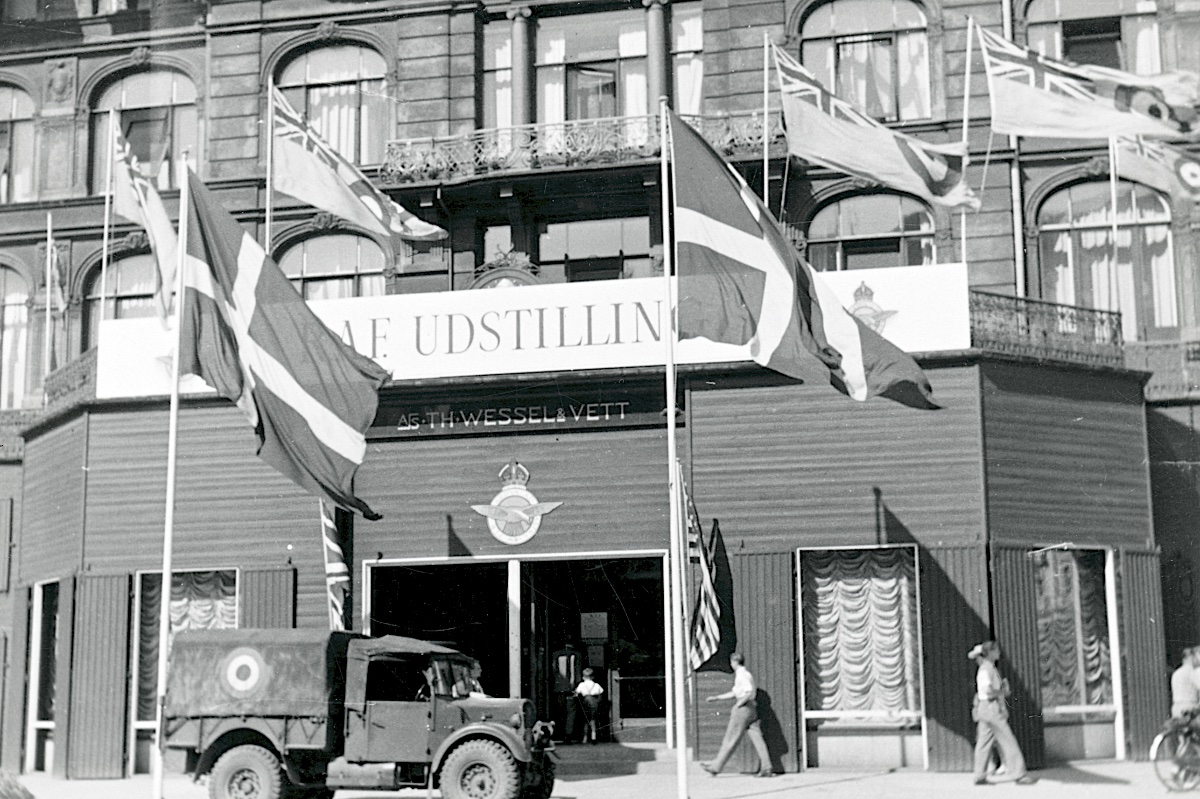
<point>559,327</point>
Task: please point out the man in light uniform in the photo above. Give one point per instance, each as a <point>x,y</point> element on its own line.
<point>1185,684</point>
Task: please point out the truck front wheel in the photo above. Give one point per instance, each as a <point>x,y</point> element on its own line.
<point>480,770</point>
<point>246,772</point>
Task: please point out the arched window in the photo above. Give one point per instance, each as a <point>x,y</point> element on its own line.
<point>340,92</point>
<point>1076,255</point>
<point>16,145</point>
<point>335,266</point>
<point>156,113</point>
<point>1121,34</point>
<point>869,231</point>
<point>14,342</point>
<point>128,294</point>
<point>872,53</point>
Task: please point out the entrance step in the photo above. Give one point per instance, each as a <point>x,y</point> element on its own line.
<point>611,759</point>
<point>651,730</point>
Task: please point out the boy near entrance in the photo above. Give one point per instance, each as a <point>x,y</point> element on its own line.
<point>588,693</point>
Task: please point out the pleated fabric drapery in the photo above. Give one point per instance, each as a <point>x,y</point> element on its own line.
<point>861,639</point>
<point>1073,641</point>
<point>202,600</point>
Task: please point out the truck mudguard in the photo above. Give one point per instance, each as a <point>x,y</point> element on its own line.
<point>505,735</point>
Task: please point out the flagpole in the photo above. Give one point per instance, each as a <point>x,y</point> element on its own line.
<point>1114,282</point>
<point>766,125</point>
<point>46,337</point>
<point>965,135</point>
<point>270,160</point>
<point>108,192</point>
<point>669,335</point>
<point>164,613</point>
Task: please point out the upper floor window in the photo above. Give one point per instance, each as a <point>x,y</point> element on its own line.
<point>497,76</point>
<point>156,113</point>
<point>335,266</point>
<point>870,231</point>
<point>594,249</point>
<point>340,91</point>
<point>16,145</point>
<point>687,56</point>
<point>1120,34</point>
<point>590,67</point>
<point>128,289</point>
<point>1076,253</point>
<point>14,338</point>
<point>872,53</point>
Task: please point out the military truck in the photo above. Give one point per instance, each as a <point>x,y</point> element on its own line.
<point>285,714</point>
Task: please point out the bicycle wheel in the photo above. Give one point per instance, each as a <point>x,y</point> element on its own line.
<point>1176,760</point>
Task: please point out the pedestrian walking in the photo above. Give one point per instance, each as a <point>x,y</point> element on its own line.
<point>588,693</point>
<point>990,712</point>
<point>743,719</point>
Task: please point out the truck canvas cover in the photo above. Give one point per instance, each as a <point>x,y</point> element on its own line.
<point>257,673</point>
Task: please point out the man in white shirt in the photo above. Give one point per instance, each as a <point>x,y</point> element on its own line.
<point>1185,684</point>
<point>589,692</point>
<point>743,719</point>
<point>990,711</point>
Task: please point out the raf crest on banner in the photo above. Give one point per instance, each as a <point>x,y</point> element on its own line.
<point>515,514</point>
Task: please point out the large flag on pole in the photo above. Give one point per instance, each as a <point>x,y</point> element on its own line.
<point>135,198</point>
<point>337,573</point>
<point>1160,166</point>
<point>826,130</point>
<point>249,335</point>
<point>741,281</point>
<point>307,168</point>
<point>1033,95</point>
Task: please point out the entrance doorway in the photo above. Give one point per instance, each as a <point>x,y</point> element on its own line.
<point>605,613</point>
<point>463,606</point>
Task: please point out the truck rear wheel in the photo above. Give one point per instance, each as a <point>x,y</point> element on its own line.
<point>246,772</point>
<point>480,770</point>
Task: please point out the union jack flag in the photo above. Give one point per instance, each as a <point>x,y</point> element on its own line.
<point>308,169</point>
<point>135,198</point>
<point>1161,166</point>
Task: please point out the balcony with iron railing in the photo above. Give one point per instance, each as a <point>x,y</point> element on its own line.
<point>1045,331</point>
<point>564,145</point>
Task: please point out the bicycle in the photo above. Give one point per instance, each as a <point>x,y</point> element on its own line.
<point>1176,754</point>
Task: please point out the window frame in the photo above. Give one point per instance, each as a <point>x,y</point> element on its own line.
<point>927,238</point>
<point>17,128</point>
<point>90,327</point>
<point>301,281</point>
<point>1042,29</point>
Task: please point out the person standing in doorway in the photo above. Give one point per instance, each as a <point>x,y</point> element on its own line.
<point>990,712</point>
<point>588,694</point>
<point>743,719</point>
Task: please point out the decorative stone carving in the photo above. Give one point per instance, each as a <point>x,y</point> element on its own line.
<point>941,235</point>
<point>512,268</point>
<point>60,81</point>
<point>135,240</point>
<point>1031,231</point>
<point>518,11</point>
<point>323,221</point>
<point>1095,167</point>
<point>140,56</point>
<point>63,249</point>
<point>327,30</point>
<point>863,183</point>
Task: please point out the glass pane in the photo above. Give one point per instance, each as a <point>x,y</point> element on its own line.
<point>497,45</point>
<point>594,237</point>
<point>823,257</point>
<point>870,214</point>
<point>635,235</point>
<point>15,104</point>
<point>333,112</point>
<point>817,57</point>
<point>370,256</point>
<point>373,125</point>
<point>552,244</point>
<point>134,308</point>
<point>825,224</point>
<point>497,240</point>
<point>687,27</point>
<point>343,64</point>
<point>1058,281</point>
<point>1090,203</point>
<point>1151,206</point>
<point>1045,39</point>
<point>1054,210</point>
<point>917,252</point>
<point>18,173</point>
<point>864,76</point>
<point>1095,42</point>
<point>689,83</point>
<point>325,255</point>
<point>819,22</point>
<point>871,254</point>
<point>592,91</point>
<point>329,288</point>
<point>604,35</point>
<point>552,39</point>
<point>373,286</point>
<point>862,16</point>
<point>907,15</point>
<point>133,275</point>
<point>914,216</point>
<point>292,261</point>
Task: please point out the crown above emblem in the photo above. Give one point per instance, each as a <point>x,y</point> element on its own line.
<point>863,293</point>
<point>514,474</point>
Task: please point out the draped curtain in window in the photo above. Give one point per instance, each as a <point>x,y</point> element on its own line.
<point>1073,628</point>
<point>13,339</point>
<point>199,601</point>
<point>861,641</point>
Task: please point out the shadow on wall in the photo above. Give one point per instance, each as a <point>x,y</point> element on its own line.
<point>950,626</point>
<point>1175,493</point>
<point>777,743</point>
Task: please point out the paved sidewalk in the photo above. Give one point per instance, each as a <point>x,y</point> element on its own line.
<point>1085,780</point>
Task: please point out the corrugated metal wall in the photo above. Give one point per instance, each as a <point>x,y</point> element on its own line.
<point>14,687</point>
<point>100,683</point>
<point>231,508</point>
<point>268,599</point>
<point>1014,611</point>
<point>1065,457</point>
<point>954,617</point>
<point>51,533</point>
<point>789,466</point>
<point>612,485</point>
<point>1145,670</point>
<point>765,610</point>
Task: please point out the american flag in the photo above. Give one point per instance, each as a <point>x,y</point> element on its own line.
<point>308,169</point>
<point>706,621</point>
<point>337,573</point>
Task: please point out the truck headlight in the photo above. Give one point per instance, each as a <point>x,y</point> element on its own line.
<point>515,721</point>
